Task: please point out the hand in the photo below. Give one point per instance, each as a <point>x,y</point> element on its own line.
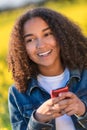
<point>71,104</point>
<point>48,110</point>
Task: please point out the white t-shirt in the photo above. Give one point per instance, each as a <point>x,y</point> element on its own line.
<point>54,82</point>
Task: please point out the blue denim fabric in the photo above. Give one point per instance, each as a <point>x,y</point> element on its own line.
<point>22,106</point>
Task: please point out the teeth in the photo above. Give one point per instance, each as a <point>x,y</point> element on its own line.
<point>44,53</point>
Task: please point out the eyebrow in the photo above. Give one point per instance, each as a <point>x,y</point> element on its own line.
<point>46,29</point>
<point>27,35</point>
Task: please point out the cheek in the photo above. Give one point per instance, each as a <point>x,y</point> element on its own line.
<point>54,44</point>
<point>58,49</point>
<point>30,50</point>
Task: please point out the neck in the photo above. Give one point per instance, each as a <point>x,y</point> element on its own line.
<point>52,71</point>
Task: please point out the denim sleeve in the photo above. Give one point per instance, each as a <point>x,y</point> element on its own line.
<point>83,119</point>
<point>17,120</point>
<point>35,125</point>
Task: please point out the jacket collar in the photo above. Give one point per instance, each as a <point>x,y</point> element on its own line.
<point>33,83</point>
<point>75,74</point>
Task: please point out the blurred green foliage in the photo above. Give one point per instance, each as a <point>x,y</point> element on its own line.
<point>76,12</point>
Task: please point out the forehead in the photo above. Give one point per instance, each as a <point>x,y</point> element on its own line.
<point>35,23</point>
<point>35,20</point>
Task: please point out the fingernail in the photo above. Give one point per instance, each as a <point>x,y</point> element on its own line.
<point>60,94</point>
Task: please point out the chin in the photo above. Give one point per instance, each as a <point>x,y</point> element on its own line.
<point>47,64</point>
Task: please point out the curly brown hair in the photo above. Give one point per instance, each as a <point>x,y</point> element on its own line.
<point>72,42</point>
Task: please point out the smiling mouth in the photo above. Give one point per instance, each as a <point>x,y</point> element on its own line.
<point>45,53</point>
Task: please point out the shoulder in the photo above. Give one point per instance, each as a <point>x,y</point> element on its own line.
<point>13,90</point>
<point>18,96</point>
<point>83,79</point>
<point>84,72</point>
<point>15,95</point>
<point>78,73</point>
<point>84,76</point>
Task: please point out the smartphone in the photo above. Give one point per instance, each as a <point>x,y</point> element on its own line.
<point>55,93</point>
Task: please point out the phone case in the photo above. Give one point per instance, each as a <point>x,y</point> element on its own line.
<point>55,93</point>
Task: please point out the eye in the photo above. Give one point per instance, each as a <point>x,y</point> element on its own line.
<point>48,34</point>
<point>30,40</point>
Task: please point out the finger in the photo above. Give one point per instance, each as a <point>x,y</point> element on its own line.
<point>50,102</point>
<point>53,101</point>
<point>67,95</point>
<point>55,115</point>
<point>55,108</point>
<point>65,103</point>
<point>70,110</point>
<point>70,113</point>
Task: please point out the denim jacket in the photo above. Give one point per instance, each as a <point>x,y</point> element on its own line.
<point>22,106</point>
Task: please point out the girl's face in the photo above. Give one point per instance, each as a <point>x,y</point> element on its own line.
<point>40,43</point>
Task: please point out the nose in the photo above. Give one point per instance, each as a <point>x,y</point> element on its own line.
<point>40,43</point>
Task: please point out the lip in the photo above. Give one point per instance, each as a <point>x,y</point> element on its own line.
<point>46,53</point>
